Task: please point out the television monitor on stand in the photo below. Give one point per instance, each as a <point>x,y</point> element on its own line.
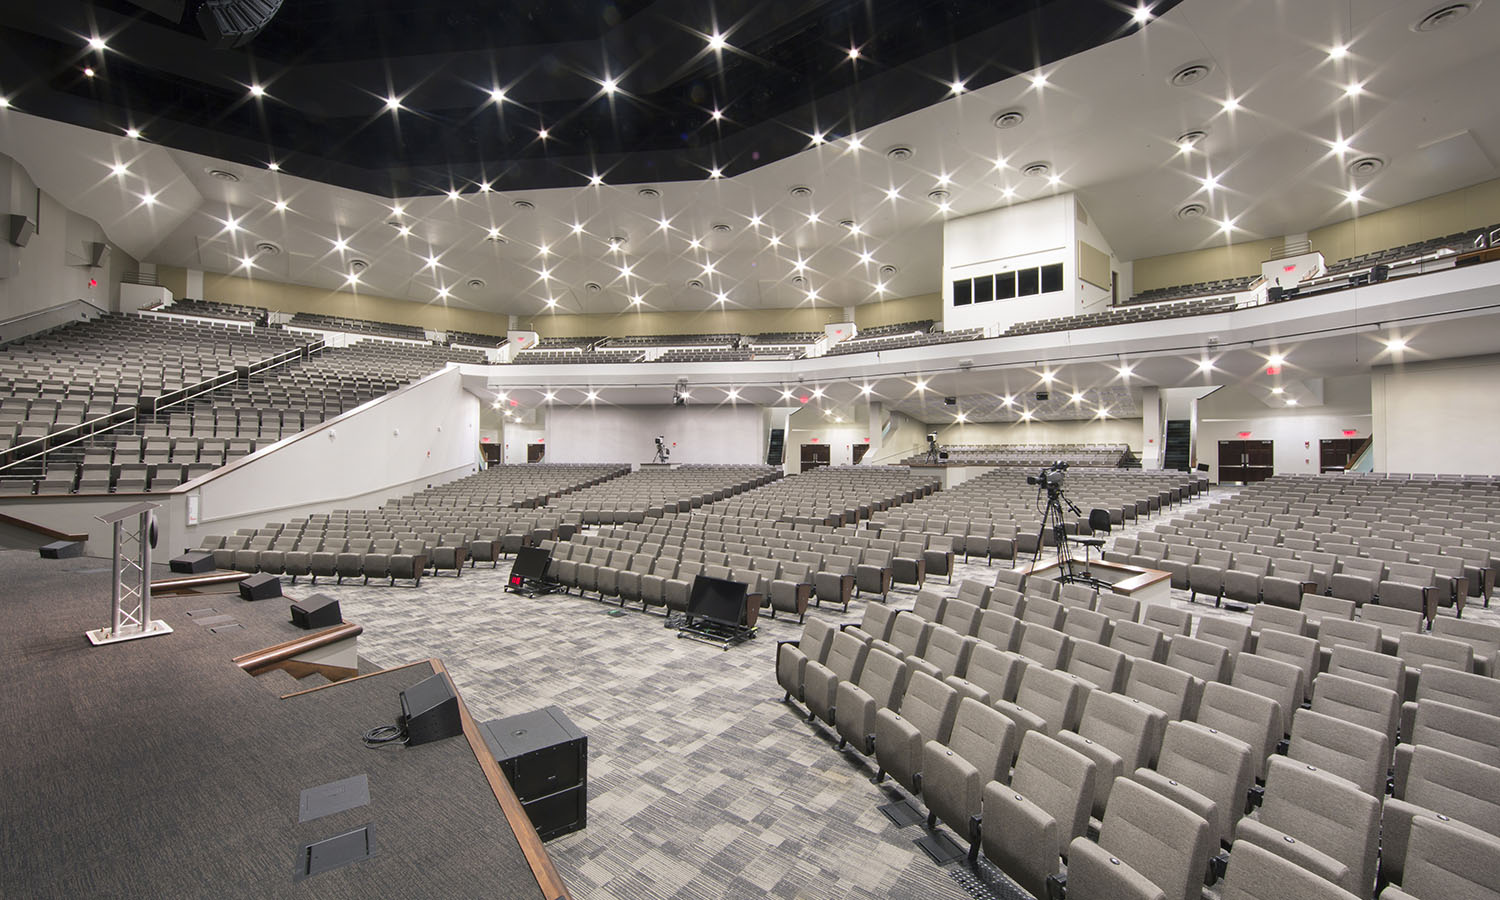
<point>716,612</point>
<point>528,574</point>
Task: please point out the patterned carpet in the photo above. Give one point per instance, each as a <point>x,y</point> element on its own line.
<point>702,783</point>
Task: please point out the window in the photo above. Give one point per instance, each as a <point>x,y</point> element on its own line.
<point>1005,286</point>
<point>1052,278</point>
<point>963,292</point>
<point>984,288</point>
<point>1027,282</point>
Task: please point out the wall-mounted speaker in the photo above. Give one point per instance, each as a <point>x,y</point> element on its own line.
<point>19,229</point>
<point>97,253</point>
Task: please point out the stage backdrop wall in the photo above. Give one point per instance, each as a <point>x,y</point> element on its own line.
<point>606,434</point>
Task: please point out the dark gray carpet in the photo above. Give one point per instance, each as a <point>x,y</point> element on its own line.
<point>156,768</point>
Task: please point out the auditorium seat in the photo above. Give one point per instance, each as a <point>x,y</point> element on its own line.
<point>1148,847</point>
<point>1203,770</point>
<point>979,750</point>
<point>880,685</point>
<point>1027,825</point>
<point>1120,734</point>
<point>1353,752</point>
<point>792,657</point>
<point>928,709</point>
<point>1438,783</point>
<point>1244,715</point>
<point>1443,860</point>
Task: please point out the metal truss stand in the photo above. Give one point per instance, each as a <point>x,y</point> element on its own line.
<point>130,594</point>
<point>722,636</point>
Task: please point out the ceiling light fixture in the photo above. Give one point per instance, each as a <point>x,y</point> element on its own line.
<point>1353,195</point>
<point>455,194</point>
<point>716,114</point>
<point>578,228</point>
<point>97,44</point>
<point>853,54</point>
<point>88,71</point>
<point>133,133</point>
<point>542,134</point>
<point>855,144</point>
<point>596,179</point>
<point>1038,79</point>
<point>1278,389</point>
<point>1395,344</point>
<point>1142,15</point>
<point>497,95</point>
<point>717,42</point>
<point>257,91</point>
<point>119,168</point>
<point>392,103</point>
<point>1338,51</point>
<point>956,87</point>
<point>715,172</point>
<point>1124,370</point>
<point>280,206</point>
<point>1230,104</point>
<point>1354,89</point>
<point>609,86</point>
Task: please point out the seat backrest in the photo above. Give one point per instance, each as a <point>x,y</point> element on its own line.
<point>1462,689</point>
<point>1353,752</point>
<point>1359,702</point>
<point>1276,618</point>
<point>1118,607</point>
<point>1086,625</point>
<point>1364,665</point>
<point>877,621</point>
<point>948,650</point>
<point>1364,636</point>
<point>1046,646</point>
<point>1054,696</point>
<point>1123,725</point>
<point>1423,650</point>
<point>1169,690</point>
<point>1164,842</point>
<point>1472,735</point>
<point>1216,765</point>
<point>1203,660</point>
<point>930,706</point>
<point>929,605</point>
<point>1447,783</point>
<point>1231,635</point>
<point>995,671</point>
<point>909,633</point>
<point>1444,860</point>
<point>1169,620</point>
<point>961,616</point>
<point>1007,600</point>
<point>1299,651</point>
<point>1258,874</point>
<point>1059,780</point>
<point>884,679</point>
<point>817,637</point>
<point>1042,611</point>
<point>985,737</point>
<point>1281,681</point>
<point>1325,812</point>
<point>999,629</point>
<point>1098,665</point>
<point>1138,641</point>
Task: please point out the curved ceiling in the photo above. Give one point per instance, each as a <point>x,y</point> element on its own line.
<point>1293,93</point>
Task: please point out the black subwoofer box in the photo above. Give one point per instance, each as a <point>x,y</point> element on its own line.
<point>62,550</point>
<point>545,758</point>
<point>196,562</point>
<point>260,587</point>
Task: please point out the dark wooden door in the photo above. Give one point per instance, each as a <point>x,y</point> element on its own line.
<point>1246,461</point>
<point>859,452</point>
<point>814,455</point>
<point>535,452</point>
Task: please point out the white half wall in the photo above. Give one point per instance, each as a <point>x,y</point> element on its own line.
<point>694,434</point>
<point>1441,416</point>
<point>1230,410</point>
<point>1006,239</point>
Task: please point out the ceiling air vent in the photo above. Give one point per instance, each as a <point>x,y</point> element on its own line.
<point>1443,16</point>
<point>695,283</point>
<point>593,287</point>
<point>798,279</point>
<point>223,175</point>
<point>800,191</point>
<point>1191,138</point>
<point>523,204</point>
<point>1037,169</point>
<point>846,224</point>
<point>1366,166</point>
<point>495,237</point>
<point>1191,74</point>
<point>1010,118</point>
<point>266,248</point>
<point>650,193</point>
<point>476,283</point>
<point>1192,211</point>
<point>938,196</point>
<point>358,265</point>
<point>617,241</point>
<point>888,271</point>
<point>900,153</point>
<point>720,227</point>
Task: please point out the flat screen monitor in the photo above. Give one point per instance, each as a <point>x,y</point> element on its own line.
<point>718,600</point>
<point>531,562</point>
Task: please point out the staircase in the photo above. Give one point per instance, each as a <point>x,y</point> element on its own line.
<point>774,451</point>
<point>1179,445</point>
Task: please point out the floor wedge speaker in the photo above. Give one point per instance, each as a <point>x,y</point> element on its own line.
<point>317,611</point>
<point>429,711</point>
<point>260,587</point>
<point>197,562</point>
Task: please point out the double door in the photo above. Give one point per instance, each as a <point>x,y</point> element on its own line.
<point>1246,461</point>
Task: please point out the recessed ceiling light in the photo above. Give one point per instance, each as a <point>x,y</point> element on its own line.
<point>545,274</point>
<point>817,138</point>
<point>392,103</point>
<point>247,262</point>
<point>1009,119</point>
<point>812,217</point>
<point>855,144</point>
<point>119,168</point>
<point>880,287</point>
<point>722,297</point>
<point>97,44</point>
<point>635,299</point>
<point>1007,191</point>
<point>715,172</point>
<point>1038,79</point>
<point>755,220</point>
<point>853,53</point>
<point>716,42</point>
<point>1226,225</point>
<point>1054,179</point>
<point>432,261</point>
<point>663,224</point>
<point>4,103</point>
<point>944,179</point>
<point>609,85</point>
<point>956,87</point>
<point>1077,397</point>
<point>1125,370</point>
<point>1047,377</point>
<point>1205,365</point>
<point>1394,344</point>
<point>1291,401</point>
<point>1444,16</point>
<point>812,293</point>
<point>543,249</point>
<point>274,166</point>
<point>454,194</point>
<point>1338,51</point>
<point>866,257</point>
<point>1190,73</point>
<point>88,71</point>
<point>1275,359</point>
<point>352,278</point>
<point>1210,182</point>
<point>1189,139</point>
<point>484,187</point>
<point>497,95</point>
<point>1142,15</point>
<point>578,228</point>
<point>443,294</point>
<point>1353,195</point>
<point>1230,104</point>
<point>625,270</point>
<point>694,243</point>
<point>892,194</point>
<point>716,114</point>
<point>494,236</point>
<point>1354,89</point>
<point>616,241</point>
<point>340,244</point>
<point>280,206</point>
<point>231,225</point>
<point>542,134</point>
<point>708,267</point>
<point>133,133</point>
<point>256,90</point>
<point>774,241</point>
<point>1339,146</point>
<point>149,198</point>
<point>1278,389</point>
<point>596,179</point>
<point>404,231</point>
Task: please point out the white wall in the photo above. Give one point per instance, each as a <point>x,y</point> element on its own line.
<point>1005,239</point>
<point>1441,416</point>
<point>1232,409</point>
<point>51,268</point>
<point>695,434</point>
<point>421,435</point>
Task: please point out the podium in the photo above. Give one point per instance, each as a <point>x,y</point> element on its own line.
<point>130,592</point>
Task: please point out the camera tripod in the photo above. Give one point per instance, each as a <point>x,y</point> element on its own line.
<point>1052,519</point>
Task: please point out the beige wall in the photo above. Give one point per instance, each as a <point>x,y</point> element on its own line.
<point>299,298</point>
<point>1470,207</point>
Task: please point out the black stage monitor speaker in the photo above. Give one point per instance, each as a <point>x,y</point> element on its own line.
<point>429,711</point>
<point>317,611</point>
<point>62,549</point>
<point>260,587</point>
<point>196,562</point>
<point>1379,273</point>
<point>1274,293</point>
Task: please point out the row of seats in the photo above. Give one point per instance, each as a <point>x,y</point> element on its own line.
<point>867,342</point>
<point>833,495</point>
<point>1125,315</point>
<point>944,725</point>
<point>652,492</point>
<point>1108,455</point>
<point>213,309</point>
<point>1184,291</point>
<point>514,485</point>
<point>357,326</point>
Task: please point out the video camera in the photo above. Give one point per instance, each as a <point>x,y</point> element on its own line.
<point>1050,477</point>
